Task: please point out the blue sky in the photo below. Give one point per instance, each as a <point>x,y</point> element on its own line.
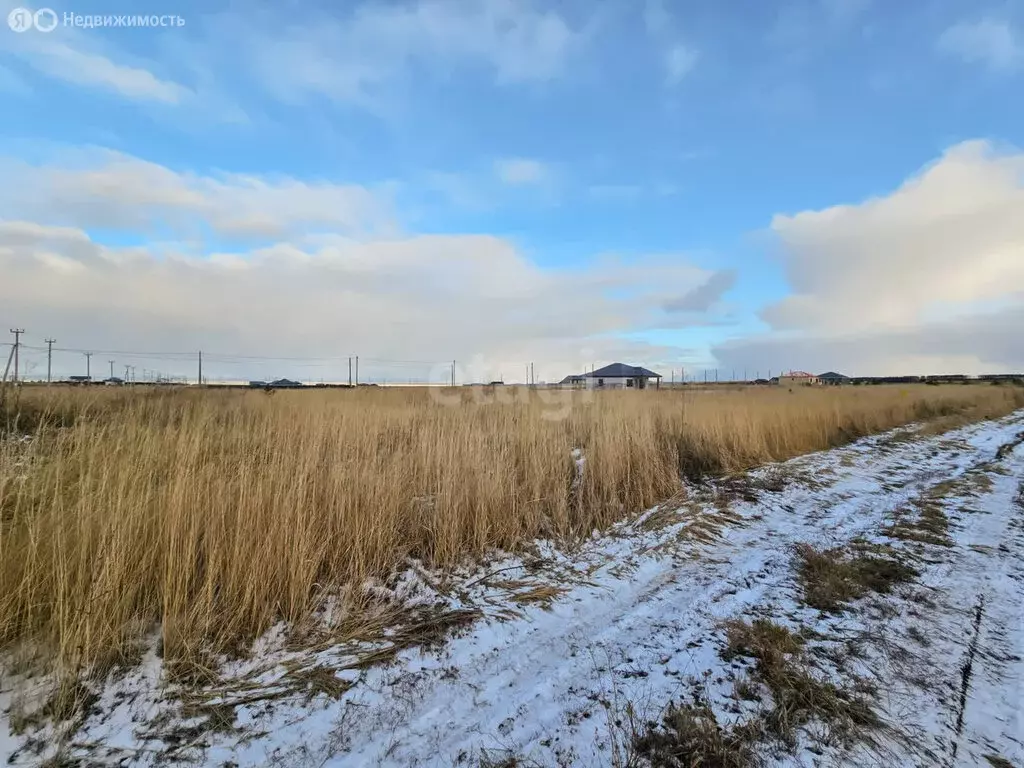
<point>627,154</point>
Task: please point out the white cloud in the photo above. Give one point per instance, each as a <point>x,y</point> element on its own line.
<point>677,58</point>
<point>109,189</point>
<point>657,19</point>
<point>63,62</point>
<point>704,297</point>
<point>521,170</point>
<point>895,278</point>
<point>951,236</point>
<point>352,59</point>
<point>988,41</point>
<point>679,62</point>
<point>324,294</point>
<point>983,343</point>
<point>417,298</point>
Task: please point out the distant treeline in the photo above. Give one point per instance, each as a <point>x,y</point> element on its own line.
<point>995,378</point>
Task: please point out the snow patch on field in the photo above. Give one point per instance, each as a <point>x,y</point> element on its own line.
<point>557,655</point>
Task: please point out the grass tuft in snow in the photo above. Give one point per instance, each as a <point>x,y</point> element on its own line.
<point>761,639</point>
<point>998,761</point>
<point>798,696</point>
<point>690,735</point>
<point>791,693</point>
<point>831,579</point>
<point>929,525</point>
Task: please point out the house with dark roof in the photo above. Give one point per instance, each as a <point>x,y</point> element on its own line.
<point>833,379</point>
<point>277,384</point>
<point>614,376</point>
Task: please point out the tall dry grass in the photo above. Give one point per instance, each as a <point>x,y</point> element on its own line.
<point>215,514</point>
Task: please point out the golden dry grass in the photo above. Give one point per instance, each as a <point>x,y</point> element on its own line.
<point>212,515</point>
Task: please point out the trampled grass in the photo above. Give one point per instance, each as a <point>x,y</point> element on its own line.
<point>211,515</point>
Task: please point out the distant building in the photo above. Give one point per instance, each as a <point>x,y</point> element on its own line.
<point>800,378</point>
<point>833,379</point>
<point>573,382</point>
<point>79,379</point>
<point>614,376</point>
<point>277,384</point>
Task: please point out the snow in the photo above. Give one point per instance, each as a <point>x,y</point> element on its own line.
<point>551,679</point>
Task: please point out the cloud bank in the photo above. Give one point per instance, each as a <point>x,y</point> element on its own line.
<point>315,271</point>
<point>927,279</point>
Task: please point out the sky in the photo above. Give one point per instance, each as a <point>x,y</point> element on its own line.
<point>689,186</point>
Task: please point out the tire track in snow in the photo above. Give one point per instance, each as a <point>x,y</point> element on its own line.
<point>965,673</point>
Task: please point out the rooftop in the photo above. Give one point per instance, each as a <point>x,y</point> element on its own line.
<point>623,371</point>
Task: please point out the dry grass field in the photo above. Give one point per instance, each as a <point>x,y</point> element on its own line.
<point>211,515</point>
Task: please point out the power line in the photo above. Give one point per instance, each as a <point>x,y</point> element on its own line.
<point>229,357</point>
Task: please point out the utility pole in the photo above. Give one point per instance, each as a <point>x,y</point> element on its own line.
<point>17,344</point>
<point>88,365</point>
<point>200,382</point>
<point>533,379</point>
<point>134,380</point>
<point>453,373</point>
<point>126,378</point>
<point>49,357</point>
<point>350,370</point>
<point>111,368</point>
<point>357,370</point>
